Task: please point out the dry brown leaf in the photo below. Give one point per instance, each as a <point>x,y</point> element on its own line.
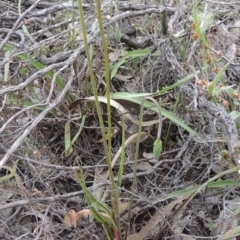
<point>72,217</point>
<point>38,193</point>
<point>116,105</point>
<point>148,155</point>
<point>144,166</point>
<point>122,77</point>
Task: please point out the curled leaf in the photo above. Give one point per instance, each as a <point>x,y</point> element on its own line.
<point>72,217</point>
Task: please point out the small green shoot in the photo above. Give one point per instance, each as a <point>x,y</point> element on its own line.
<point>118,34</point>
<point>67,135</point>
<point>157,148</point>
<point>182,51</point>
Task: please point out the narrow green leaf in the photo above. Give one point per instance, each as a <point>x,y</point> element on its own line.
<point>80,128</point>
<point>197,26</point>
<point>223,183</point>
<point>165,113</point>
<point>27,32</point>
<point>96,206</point>
<point>122,95</point>
<point>217,78</point>
<point>122,161</point>
<point>209,184</point>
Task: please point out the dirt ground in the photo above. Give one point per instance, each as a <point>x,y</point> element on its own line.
<point>44,84</point>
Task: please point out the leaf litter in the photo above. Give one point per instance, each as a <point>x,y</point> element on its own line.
<point>45,200</point>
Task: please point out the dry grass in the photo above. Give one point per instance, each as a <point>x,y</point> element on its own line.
<point>41,76</point>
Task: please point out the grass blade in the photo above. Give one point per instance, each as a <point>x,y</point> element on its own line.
<point>217,78</point>
<point>132,54</point>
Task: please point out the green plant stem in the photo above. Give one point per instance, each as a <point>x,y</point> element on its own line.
<point>107,147</point>
<point>137,150</point>
<point>159,115</point>
<point>114,199</point>
<point>135,168</point>
<point>121,168</point>
<point>90,68</point>
<point>170,123</point>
